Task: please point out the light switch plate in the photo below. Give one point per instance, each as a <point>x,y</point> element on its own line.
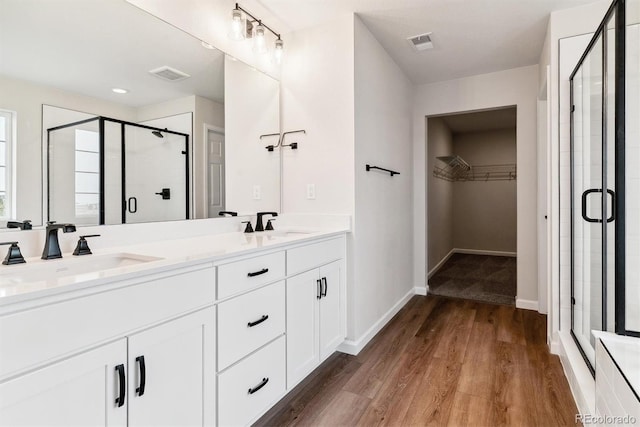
<point>311,191</point>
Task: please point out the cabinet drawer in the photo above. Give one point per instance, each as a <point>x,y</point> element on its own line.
<point>241,276</point>
<point>241,328</point>
<point>34,336</point>
<point>240,398</point>
<point>307,257</point>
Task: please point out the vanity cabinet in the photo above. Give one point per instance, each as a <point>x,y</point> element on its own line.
<point>315,321</point>
<point>80,391</point>
<point>162,382</point>
<point>171,372</point>
<point>132,352</point>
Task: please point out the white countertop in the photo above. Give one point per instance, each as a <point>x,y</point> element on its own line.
<point>625,351</point>
<point>171,254</point>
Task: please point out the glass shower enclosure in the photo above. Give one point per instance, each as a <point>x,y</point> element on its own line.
<point>605,291</point>
<point>107,171</point>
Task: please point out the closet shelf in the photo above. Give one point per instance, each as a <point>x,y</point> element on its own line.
<point>456,169</point>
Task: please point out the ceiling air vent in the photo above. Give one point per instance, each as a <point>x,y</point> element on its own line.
<point>170,74</point>
<point>421,42</point>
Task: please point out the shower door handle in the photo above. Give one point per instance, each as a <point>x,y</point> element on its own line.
<point>613,205</point>
<point>132,205</point>
<point>585,195</point>
<point>584,204</point>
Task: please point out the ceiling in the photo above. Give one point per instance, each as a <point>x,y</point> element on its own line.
<point>90,47</point>
<point>480,121</point>
<point>470,36</point>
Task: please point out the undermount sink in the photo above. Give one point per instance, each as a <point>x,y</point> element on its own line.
<point>92,265</point>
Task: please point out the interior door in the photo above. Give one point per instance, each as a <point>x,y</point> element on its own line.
<point>155,175</point>
<point>79,391</point>
<point>167,365</point>
<point>215,172</point>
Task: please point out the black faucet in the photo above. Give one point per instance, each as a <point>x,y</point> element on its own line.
<point>22,225</point>
<point>51,244</point>
<point>259,226</point>
<point>230,213</point>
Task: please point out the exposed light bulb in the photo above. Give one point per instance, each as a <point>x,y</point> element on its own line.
<point>259,40</point>
<point>236,25</point>
<point>277,53</point>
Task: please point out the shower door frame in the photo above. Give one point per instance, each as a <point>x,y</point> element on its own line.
<point>101,143</point>
<point>123,124</point>
<point>618,205</point>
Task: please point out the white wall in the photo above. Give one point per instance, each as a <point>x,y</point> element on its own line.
<point>317,96</point>
<point>517,87</point>
<point>251,109</point>
<point>484,212</point>
<point>440,195</point>
<point>383,204</point>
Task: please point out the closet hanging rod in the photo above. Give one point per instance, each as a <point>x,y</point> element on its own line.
<point>368,168</point>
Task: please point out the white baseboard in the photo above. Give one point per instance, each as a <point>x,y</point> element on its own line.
<point>483,252</point>
<point>421,290</point>
<point>554,345</point>
<point>580,381</point>
<point>354,347</point>
<point>527,304</point>
<point>440,264</point>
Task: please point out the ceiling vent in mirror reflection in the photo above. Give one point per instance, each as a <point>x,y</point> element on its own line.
<point>421,42</point>
<point>170,74</point>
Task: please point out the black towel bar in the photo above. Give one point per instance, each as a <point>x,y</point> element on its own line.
<point>368,167</point>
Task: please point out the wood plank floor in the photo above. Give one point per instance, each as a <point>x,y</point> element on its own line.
<point>440,361</point>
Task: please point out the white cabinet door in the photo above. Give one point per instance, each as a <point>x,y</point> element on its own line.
<point>79,391</point>
<point>332,321</point>
<point>172,373</point>
<point>302,326</point>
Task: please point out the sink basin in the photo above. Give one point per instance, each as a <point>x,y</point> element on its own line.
<point>90,266</point>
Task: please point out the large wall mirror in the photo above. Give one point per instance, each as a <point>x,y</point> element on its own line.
<point>109,115</point>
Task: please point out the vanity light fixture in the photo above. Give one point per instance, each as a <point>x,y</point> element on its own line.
<point>244,28</point>
<point>259,42</point>
<point>277,53</point>
<point>119,90</point>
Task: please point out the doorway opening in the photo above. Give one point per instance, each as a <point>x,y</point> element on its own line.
<point>472,205</point>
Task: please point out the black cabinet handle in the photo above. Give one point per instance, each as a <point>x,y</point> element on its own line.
<point>319,283</point>
<point>132,205</point>
<point>143,375</point>
<point>257,322</point>
<point>259,386</point>
<point>257,273</point>
<point>324,293</point>
<point>123,386</point>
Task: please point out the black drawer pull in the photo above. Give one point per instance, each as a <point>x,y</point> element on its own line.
<point>319,294</point>
<point>324,293</point>
<point>143,375</point>
<point>123,386</point>
<point>257,273</point>
<point>257,322</point>
<point>259,386</point>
